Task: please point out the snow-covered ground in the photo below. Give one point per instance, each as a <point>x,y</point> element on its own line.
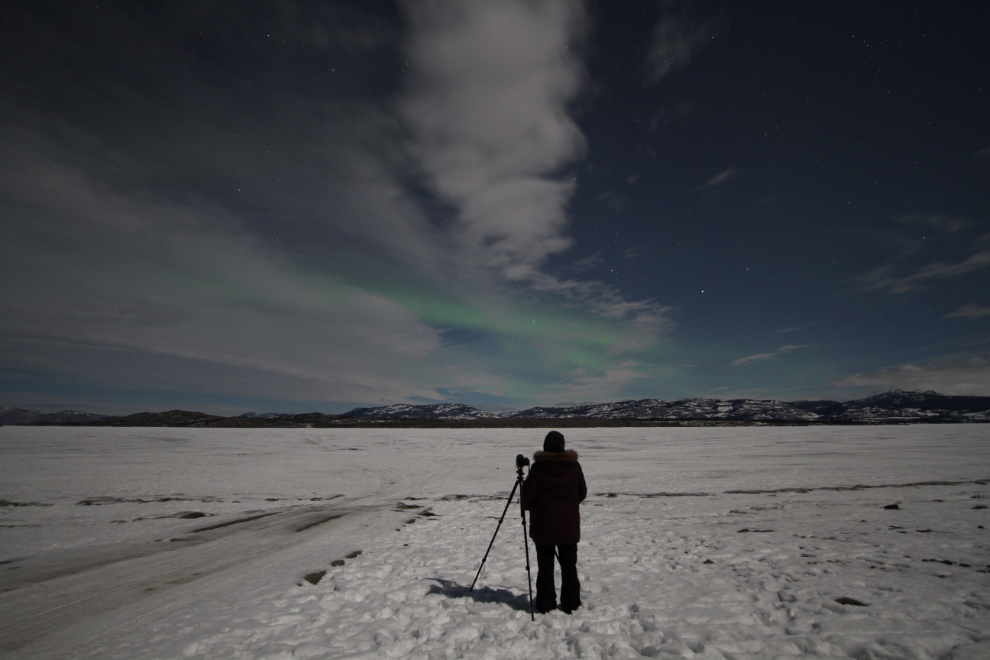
<point>113,544</point>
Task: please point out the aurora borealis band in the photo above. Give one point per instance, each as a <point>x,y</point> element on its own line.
<point>300,206</point>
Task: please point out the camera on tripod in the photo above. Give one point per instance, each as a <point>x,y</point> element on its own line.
<point>521,462</point>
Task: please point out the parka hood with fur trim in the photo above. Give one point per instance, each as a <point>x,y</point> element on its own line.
<point>568,456</point>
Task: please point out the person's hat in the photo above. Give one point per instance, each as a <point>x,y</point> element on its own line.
<point>554,442</point>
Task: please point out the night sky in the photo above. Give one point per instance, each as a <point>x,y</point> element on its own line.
<point>298,206</point>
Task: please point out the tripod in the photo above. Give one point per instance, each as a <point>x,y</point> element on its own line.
<point>521,461</point>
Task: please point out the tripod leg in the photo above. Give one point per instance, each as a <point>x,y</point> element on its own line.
<point>529,576</point>
<point>507,503</point>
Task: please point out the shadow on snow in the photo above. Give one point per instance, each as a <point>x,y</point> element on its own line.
<point>451,589</point>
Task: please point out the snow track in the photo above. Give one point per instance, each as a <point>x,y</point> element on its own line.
<point>58,589</point>
<point>71,589</point>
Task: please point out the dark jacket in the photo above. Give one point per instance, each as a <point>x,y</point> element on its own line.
<point>551,493</point>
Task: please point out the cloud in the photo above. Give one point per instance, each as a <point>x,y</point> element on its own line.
<point>589,262</point>
<point>783,350</point>
<point>786,331</point>
<point>967,376</point>
<point>969,312</point>
<point>982,154</point>
<point>487,112</point>
<point>600,385</point>
<point>645,321</point>
<point>678,36</point>
<point>145,291</point>
<point>882,280</point>
<point>486,107</point>
<point>950,224</point>
<point>718,179</point>
<point>613,200</point>
<point>634,252</point>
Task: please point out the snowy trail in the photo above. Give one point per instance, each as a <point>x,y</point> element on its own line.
<point>181,594</point>
<point>730,544</point>
<point>57,589</point>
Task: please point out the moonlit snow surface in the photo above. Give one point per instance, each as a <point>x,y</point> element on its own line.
<point>99,563</point>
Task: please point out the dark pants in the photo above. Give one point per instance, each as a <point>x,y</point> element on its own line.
<point>570,588</point>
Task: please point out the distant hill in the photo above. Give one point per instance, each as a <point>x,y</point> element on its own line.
<point>433,411</point>
<point>902,406</point>
<point>895,407</point>
<point>195,419</point>
<point>736,409</point>
<point>19,416</point>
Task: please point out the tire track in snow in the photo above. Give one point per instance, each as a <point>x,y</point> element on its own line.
<point>58,589</point>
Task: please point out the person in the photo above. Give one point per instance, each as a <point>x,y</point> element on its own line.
<point>552,491</point>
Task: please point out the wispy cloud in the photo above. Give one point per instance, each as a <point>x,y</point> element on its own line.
<point>967,376</point>
<point>679,35</point>
<point>783,350</point>
<point>950,224</point>
<point>633,252</point>
<point>718,179</point>
<point>589,262</point>
<point>982,154</point>
<point>147,291</point>
<point>882,279</point>
<point>648,320</point>
<point>969,312</point>
<point>797,328</point>
<point>613,200</point>
<point>602,384</point>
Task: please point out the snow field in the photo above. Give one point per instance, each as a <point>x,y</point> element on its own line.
<point>646,586</point>
<point>658,513</point>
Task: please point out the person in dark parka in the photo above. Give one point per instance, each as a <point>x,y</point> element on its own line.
<point>551,493</point>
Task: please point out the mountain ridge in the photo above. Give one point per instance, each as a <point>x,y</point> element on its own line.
<point>10,416</point>
<point>895,406</point>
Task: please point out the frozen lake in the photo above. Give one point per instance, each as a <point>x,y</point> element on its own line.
<point>116,544</point>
